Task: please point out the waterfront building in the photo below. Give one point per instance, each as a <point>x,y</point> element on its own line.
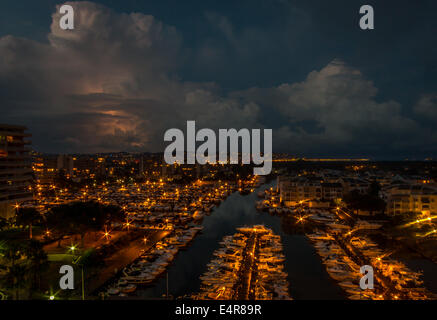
<point>299,189</point>
<point>411,199</point>
<point>349,184</point>
<point>15,168</point>
<point>295,190</point>
<point>90,166</point>
<point>332,191</point>
<point>45,168</point>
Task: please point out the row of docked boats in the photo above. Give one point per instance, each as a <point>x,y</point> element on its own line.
<point>222,280</point>
<point>152,263</point>
<point>339,266</point>
<point>272,281</point>
<point>398,281</point>
<point>332,221</point>
<point>261,205</point>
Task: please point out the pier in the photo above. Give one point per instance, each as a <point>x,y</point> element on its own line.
<point>243,286</point>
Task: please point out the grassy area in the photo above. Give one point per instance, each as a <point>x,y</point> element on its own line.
<point>59,257</point>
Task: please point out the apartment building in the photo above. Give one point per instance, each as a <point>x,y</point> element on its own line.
<point>411,199</point>
<point>332,191</point>
<point>349,184</point>
<point>15,168</point>
<point>45,168</point>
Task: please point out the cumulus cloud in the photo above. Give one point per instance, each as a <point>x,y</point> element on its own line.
<point>112,85</point>
<point>107,85</point>
<point>334,111</point>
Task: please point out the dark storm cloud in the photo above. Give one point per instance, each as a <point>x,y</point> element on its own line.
<point>116,83</point>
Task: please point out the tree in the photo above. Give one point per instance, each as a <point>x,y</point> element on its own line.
<point>37,262</point>
<point>3,224</point>
<point>367,202</point>
<point>113,214</point>
<point>15,278</point>
<point>82,217</point>
<point>25,262</point>
<point>12,252</point>
<point>353,199</point>
<point>374,189</point>
<point>29,217</point>
<point>3,245</point>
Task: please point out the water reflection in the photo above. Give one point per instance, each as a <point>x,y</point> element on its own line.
<point>306,274</point>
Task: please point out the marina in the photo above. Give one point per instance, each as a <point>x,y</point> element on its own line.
<point>305,272</point>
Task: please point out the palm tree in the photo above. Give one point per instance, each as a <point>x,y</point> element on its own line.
<point>29,217</point>
<point>12,251</point>
<point>37,262</point>
<point>3,246</point>
<point>15,278</point>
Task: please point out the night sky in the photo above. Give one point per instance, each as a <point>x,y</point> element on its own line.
<point>132,69</point>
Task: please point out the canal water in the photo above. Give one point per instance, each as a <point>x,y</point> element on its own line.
<point>307,276</point>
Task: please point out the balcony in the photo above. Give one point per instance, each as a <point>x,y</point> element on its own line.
<point>18,156</point>
<point>9,171</point>
<point>15,163</point>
